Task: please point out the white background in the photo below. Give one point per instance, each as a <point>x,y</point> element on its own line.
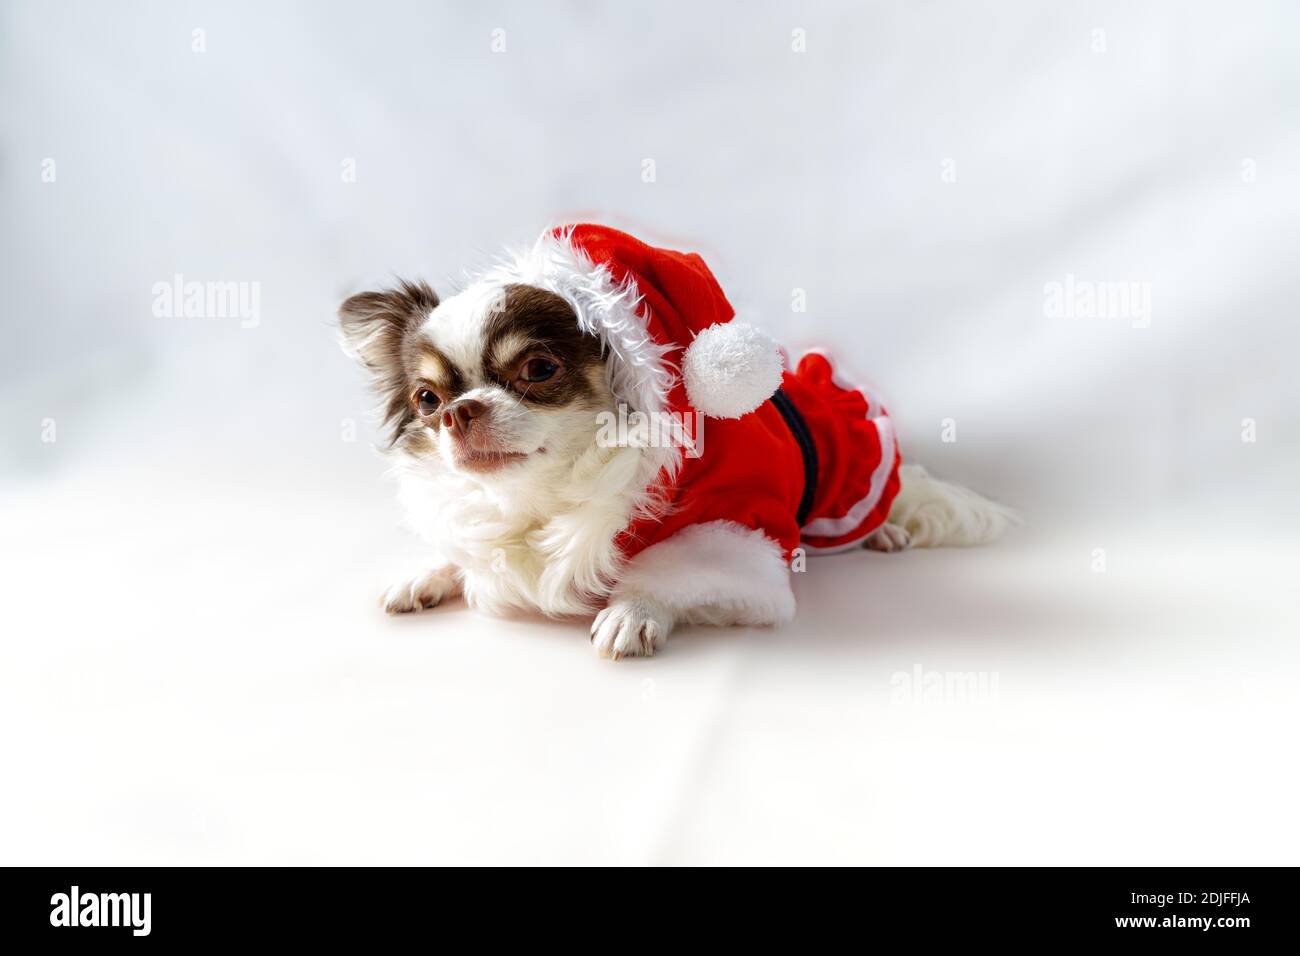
<point>194,669</point>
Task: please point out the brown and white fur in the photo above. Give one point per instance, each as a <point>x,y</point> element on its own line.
<point>491,399</point>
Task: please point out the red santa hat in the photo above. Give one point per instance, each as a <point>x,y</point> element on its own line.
<point>662,317</point>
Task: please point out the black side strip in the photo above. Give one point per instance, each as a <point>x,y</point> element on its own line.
<point>799,429</point>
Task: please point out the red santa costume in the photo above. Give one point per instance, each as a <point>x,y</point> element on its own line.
<point>798,455</point>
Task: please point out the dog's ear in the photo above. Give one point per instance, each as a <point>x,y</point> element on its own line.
<point>375,324</point>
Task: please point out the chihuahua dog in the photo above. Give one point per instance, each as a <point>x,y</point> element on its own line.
<point>586,430</point>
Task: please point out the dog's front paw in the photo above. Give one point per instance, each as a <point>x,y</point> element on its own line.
<point>631,627</point>
<point>426,590</point>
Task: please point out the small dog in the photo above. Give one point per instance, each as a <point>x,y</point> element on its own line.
<point>585,429</point>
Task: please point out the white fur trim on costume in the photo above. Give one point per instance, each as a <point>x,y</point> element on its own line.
<point>719,572</point>
<point>730,369</point>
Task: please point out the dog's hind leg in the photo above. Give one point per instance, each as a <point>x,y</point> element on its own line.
<point>888,538</point>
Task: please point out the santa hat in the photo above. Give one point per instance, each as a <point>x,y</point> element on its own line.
<point>662,317</point>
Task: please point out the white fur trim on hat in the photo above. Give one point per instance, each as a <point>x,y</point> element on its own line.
<point>730,369</point>
<point>639,372</point>
<point>640,375</point>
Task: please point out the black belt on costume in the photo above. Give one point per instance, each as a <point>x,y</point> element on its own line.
<point>799,429</point>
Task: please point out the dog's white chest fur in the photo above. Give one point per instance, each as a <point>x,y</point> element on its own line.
<point>548,546</point>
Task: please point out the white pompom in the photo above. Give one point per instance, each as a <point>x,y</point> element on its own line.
<point>730,369</point>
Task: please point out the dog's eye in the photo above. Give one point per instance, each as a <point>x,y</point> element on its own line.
<point>538,370</point>
<point>426,401</point>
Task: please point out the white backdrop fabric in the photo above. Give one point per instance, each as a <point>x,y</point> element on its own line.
<point>196,523</point>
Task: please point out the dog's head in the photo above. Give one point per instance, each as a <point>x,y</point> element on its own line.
<point>495,382</point>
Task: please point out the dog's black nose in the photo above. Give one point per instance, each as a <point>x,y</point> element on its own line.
<point>458,416</point>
